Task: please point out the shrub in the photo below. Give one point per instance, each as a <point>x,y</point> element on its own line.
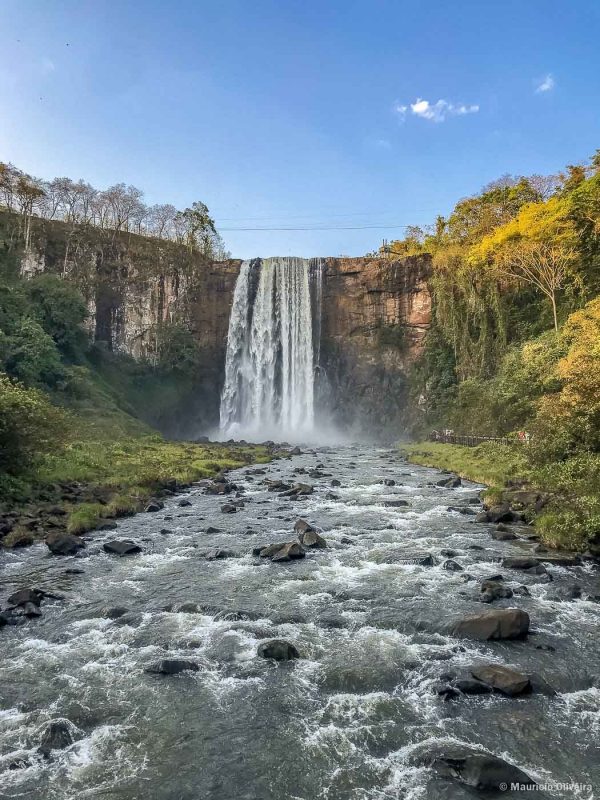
<point>31,355</point>
<point>30,426</point>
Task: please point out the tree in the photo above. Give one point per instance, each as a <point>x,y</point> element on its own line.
<point>544,265</point>
<point>197,227</point>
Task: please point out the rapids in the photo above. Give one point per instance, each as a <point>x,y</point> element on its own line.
<point>340,723</point>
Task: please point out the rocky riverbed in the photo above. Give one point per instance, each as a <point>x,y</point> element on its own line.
<point>335,625</point>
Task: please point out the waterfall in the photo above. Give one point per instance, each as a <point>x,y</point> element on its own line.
<point>271,346</point>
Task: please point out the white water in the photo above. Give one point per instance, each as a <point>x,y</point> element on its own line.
<point>270,366</point>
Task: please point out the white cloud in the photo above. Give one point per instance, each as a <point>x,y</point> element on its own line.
<point>546,84</point>
<point>435,112</point>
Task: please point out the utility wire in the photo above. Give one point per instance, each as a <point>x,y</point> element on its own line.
<point>344,228</point>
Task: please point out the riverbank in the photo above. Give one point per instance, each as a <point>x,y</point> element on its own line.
<point>109,473</point>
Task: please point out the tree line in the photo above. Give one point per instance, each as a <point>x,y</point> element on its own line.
<point>119,209</point>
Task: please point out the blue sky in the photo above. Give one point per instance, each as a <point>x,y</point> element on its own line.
<point>299,113</point>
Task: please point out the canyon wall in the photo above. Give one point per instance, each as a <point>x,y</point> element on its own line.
<point>375,313</point>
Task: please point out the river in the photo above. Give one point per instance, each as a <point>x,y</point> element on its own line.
<point>344,720</point>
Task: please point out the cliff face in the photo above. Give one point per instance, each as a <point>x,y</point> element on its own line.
<point>375,313</point>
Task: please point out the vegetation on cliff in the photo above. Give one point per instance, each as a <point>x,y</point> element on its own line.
<point>515,340</point>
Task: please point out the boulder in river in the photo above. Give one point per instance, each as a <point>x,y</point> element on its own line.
<point>289,551</point>
<point>23,596</point>
<point>503,535</point>
<point>502,623</point>
<point>501,513</point>
<point>122,547</point>
<point>494,590</point>
<point>523,563</point>
<point>172,666</point>
<point>475,768</point>
<point>63,544</point>
<point>229,508</point>
<point>453,482</point>
<point>57,735</point>
<point>184,503</point>
<point>278,649</point>
<point>218,553</point>
<point>452,566</point>
<point>335,483</point>
<point>154,506</point>
<point>502,679</point>
<point>395,503</point>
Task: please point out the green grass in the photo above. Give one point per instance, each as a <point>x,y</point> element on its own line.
<point>491,464</point>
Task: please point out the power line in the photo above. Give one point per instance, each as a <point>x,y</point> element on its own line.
<point>339,228</point>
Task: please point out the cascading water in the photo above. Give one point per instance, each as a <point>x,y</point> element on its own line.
<point>271,344</point>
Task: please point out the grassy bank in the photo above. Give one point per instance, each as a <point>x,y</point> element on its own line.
<point>490,463</point>
<point>110,469</point>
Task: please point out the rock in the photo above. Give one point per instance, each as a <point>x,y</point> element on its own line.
<point>154,505</point>
<point>494,590</point>
<point>335,483</point>
<point>422,559</point>
<point>388,482</point>
<point>472,686</point>
<point>562,594</point>
<point>506,680</point>
<point>57,735</point>
<point>74,571</point>
<point>302,526</point>
<point>218,553</point>
<point>475,547</point>
<point>299,490</point>
<point>482,517</point>
<point>229,508</point>
<point>501,535</point>
<point>502,623</point>
<point>64,544</point>
<point>461,510</point>
<point>188,608</point>
<point>185,503</point>
<point>121,547</point>
<point>278,649</point>
<point>501,513</point>
<point>23,596</point>
<point>395,503</point>
<point>172,666</point>
<point>479,770</point>
<point>296,451</point>
<point>332,496</point>
<point>166,531</point>
<point>212,529</point>
<point>452,566</point>
<point>289,551</point>
<point>522,563</point>
<point>312,539</point>
<point>453,482</point>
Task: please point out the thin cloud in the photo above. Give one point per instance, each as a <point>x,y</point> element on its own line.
<point>546,84</point>
<point>435,112</point>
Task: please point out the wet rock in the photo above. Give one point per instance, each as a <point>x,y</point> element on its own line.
<point>154,505</point>
<point>482,517</point>
<point>107,526</point>
<point>502,623</point>
<point>57,735</point>
<point>472,686</point>
<point>218,553</point>
<point>528,565</point>
<point>521,591</point>
<point>185,503</point>
<point>296,451</point>
<point>332,496</point>
<point>346,540</point>
<point>131,619</point>
<point>312,539</point>
<point>212,529</point>
<point>64,544</point>
<point>335,483</point>
<point>74,571</point>
<point>395,503</point>
<point>446,691</point>
<point>452,566</point>
<point>278,649</point>
<point>297,491</point>
<point>187,608</point>
<point>121,547</point>
<point>447,552</point>
<point>10,616</point>
<point>475,769</point>
<point>172,666</point>
<point>501,513</point>
<point>302,526</point>
<point>461,510</point>
<point>23,596</point>
<point>388,482</point>
<point>475,547</point>
<point>494,590</point>
<point>289,552</point>
<point>502,679</point>
<point>453,482</point>
<point>166,531</point>
<point>229,508</point>
<point>502,535</point>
